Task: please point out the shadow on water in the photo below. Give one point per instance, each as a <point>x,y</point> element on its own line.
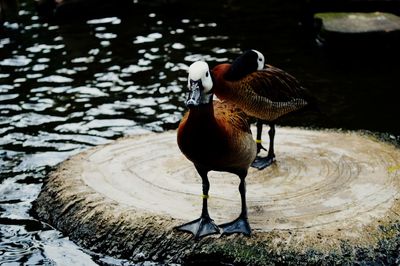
<point>71,84</point>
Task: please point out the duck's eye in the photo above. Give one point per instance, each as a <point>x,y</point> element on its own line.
<point>207,74</point>
<point>259,59</point>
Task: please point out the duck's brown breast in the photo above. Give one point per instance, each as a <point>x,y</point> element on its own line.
<point>219,143</point>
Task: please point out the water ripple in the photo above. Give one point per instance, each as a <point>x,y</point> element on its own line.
<point>55,79</point>
<point>16,61</point>
<point>5,88</point>
<point>135,69</point>
<point>149,38</point>
<point>86,92</point>
<point>37,160</point>
<point>6,97</point>
<point>112,20</point>
<point>34,119</point>
<point>40,105</point>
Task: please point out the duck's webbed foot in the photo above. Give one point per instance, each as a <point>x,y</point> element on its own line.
<point>201,227</point>
<point>263,162</point>
<point>240,225</point>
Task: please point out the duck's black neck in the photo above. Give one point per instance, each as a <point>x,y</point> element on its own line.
<point>241,67</point>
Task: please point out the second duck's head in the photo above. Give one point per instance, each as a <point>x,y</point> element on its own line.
<point>251,59</point>
<point>200,84</point>
<point>246,63</point>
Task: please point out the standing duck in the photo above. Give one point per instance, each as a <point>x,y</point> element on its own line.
<point>216,136</point>
<point>262,91</point>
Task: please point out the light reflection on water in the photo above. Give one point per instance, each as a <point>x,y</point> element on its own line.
<point>66,88</point>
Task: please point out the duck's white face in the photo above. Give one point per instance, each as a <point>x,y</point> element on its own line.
<point>199,83</point>
<point>260,60</point>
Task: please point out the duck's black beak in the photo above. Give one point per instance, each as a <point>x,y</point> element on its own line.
<point>196,89</point>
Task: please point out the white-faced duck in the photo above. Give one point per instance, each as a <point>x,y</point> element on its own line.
<point>215,136</point>
<point>262,91</point>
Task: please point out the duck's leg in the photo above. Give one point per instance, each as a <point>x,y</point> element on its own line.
<point>204,225</point>
<point>259,126</point>
<point>241,224</point>
<point>262,162</point>
<point>271,152</point>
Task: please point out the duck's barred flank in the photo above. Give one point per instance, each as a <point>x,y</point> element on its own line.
<point>267,94</point>
<point>263,108</point>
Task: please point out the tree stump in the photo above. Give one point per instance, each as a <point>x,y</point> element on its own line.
<point>330,197</point>
<point>353,22</point>
<point>350,32</point>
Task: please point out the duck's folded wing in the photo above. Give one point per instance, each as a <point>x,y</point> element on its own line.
<point>274,84</point>
<point>268,94</point>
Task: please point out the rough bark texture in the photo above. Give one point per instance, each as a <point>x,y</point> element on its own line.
<point>331,197</point>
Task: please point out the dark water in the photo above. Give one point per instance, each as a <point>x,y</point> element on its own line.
<point>67,87</point>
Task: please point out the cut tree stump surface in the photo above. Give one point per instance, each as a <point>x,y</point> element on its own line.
<point>329,196</point>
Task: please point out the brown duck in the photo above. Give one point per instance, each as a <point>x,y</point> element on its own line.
<point>215,135</point>
<point>262,91</point>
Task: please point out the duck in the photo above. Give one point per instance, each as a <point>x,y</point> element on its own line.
<point>262,91</point>
<point>215,136</point>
